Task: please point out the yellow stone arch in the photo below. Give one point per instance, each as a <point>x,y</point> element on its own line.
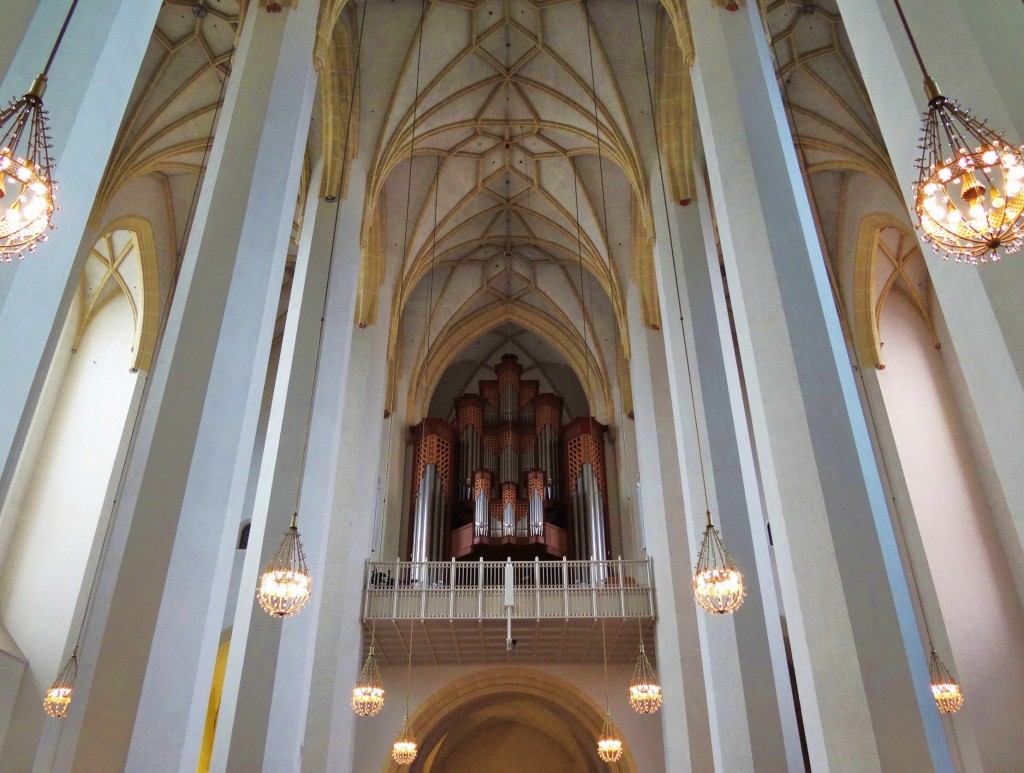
<point>567,340</point>
<point>434,719</point>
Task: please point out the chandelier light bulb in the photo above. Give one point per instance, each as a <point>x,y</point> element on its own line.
<point>644,689</point>
<point>961,161</point>
<point>58,698</point>
<point>285,587</point>
<point>404,749</point>
<point>26,183</point>
<point>949,698</point>
<point>717,584</point>
<point>609,745</point>
<point>368,694</point>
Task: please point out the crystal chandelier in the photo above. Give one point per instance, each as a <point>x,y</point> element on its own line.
<point>368,694</point>
<point>969,194</point>
<point>609,745</point>
<point>26,169</point>
<point>717,583</point>
<point>404,750</point>
<point>58,698</point>
<point>285,587</point>
<point>949,698</point>
<point>644,690</point>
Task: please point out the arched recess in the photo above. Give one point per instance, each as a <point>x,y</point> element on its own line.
<point>440,713</point>
<point>888,260</point>
<point>567,340</point>
<point>124,261</point>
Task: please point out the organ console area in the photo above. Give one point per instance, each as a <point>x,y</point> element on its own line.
<point>508,479</point>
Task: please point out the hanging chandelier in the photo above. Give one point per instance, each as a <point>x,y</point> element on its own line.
<point>949,698</point>
<point>969,194</point>
<point>609,745</point>
<point>27,187</point>
<point>644,690</point>
<point>285,586</point>
<point>368,694</point>
<point>58,698</point>
<point>717,584</point>
<point>404,750</point>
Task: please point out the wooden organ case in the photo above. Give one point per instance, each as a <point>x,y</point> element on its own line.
<point>509,480</point>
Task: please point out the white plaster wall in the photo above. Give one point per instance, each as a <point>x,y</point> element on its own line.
<point>982,615</point>
<point>65,485</point>
<point>374,736</point>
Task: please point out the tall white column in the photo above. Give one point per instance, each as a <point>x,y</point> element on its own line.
<point>980,306</point>
<point>329,669</point>
<point>858,656</point>
<point>258,643</point>
<point>151,642</point>
<point>753,719</point>
<point>89,86</point>
<point>684,714</point>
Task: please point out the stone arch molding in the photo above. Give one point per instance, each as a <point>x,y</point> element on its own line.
<point>123,261</point>
<point>888,254</point>
<point>430,722</point>
<point>566,340</point>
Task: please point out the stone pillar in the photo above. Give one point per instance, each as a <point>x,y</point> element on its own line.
<point>753,726</point>
<point>980,306</point>
<point>857,652</point>
<point>150,644</point>
<point>684,713</point>
<point>89,86</point>
<point>331,649</point>
<point>259,643</point>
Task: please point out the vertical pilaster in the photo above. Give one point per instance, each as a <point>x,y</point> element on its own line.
<point>753,720</point>
<point>857,652</point>
<point>684,714</point>
<point>151,642</point>
<point>251,734</point>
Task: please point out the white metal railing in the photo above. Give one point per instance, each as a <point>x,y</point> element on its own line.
<point>450,590</point>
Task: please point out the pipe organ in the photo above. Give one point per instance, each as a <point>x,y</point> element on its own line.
<point>508,479</point>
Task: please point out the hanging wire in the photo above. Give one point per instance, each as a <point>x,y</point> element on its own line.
<point>910,37</point>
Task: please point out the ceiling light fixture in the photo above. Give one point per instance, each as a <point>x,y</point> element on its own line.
<point>969,194</point>
<point>58,698</point>
<point>405,748</point>
<point>949,698</point>
<point>27,187</point>
<point>368,694</point>
<point>609,745</point>
<point>644,689</point>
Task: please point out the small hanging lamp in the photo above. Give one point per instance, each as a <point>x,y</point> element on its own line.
<point>26,170</point>
<point>717,583</point>
<point>285,586</point>
<point>368,694</point>
<point>405,749</point>
<point>644,690</point>
<point>58,698</point>
<point>949,698</point>
<point>609,745</point>
<point>969,194</point>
